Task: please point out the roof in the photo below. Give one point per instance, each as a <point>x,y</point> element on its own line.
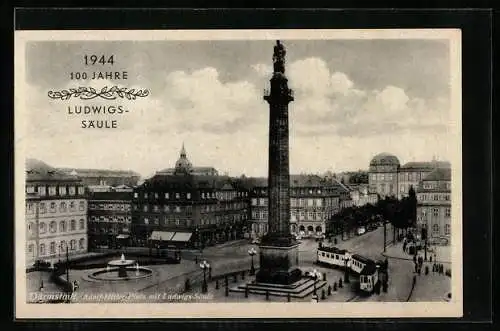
<point>194,170</point>
<point>384,159</point>
<point>439,174</point>
<point>189,181</point>
<point>425,165</point>
<point>306,181</point>
<point>37,170</point>
<point>369,269</point>
<point>100,172</point>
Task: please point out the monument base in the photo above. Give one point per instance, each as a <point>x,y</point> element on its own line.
<point>279,260</point>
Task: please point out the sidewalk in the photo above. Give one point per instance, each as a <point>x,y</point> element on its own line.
<point>441,252</point>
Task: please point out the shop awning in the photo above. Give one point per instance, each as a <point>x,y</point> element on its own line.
<point>161,235</point>
<point>122,236</point>
<point>182,236</point>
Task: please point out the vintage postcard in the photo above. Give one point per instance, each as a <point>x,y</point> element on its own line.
<point>238,173</point>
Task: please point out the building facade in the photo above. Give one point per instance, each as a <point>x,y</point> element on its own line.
<point>434,204</point>
<point>411,173</point>
<point>313,201</point>
<point>56,213</point>
<point>189,210</point>
<point>186,166</point>
<point>109,218</point>
<point>383,175</point>
<point>361,196</point>
<point>387,177</point>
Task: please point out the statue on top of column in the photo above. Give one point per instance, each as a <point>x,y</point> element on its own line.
<point>279,57</point>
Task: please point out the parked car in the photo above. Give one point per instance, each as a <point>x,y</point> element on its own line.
<point>361,230</point>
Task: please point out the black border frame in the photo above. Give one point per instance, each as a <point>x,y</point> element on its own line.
<point>476,26</point>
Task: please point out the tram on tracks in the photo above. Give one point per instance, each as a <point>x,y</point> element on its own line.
<point>365,268</point>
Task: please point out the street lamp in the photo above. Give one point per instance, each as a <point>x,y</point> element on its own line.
<point>204,266</point>
<point>252,252</point>
<point>347,257</point>
<point>315,275</point>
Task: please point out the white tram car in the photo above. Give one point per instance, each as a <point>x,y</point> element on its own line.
<point>365,268</point>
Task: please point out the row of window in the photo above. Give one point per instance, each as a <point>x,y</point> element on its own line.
<point>52,207</point>
<point>263,227</point>
<point>436,185</point>
<point>52,226</point>
<point>295,191</point>
<point>411,176</point>
<point>204,195</point>
<point>110,206</point>
<point>434,197</point>
<point>53,249</point>
<point>53,190</point>
<point>115,219</point>
<point>436,212</point>
<point>382,177</point>
<point>436,229</point>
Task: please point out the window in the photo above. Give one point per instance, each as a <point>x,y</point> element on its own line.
<point>435,228</point>
<point>52,190</point>
<point>447,229</point>
<point>254,202</point>
<point>52,248</point>
<point>448,212</point>
<point>188,195</point>
<point>30,227</point>
<point>62,226</point>
<point>72,206</point>
<point>145,195</point>
<point>82,205</point>
<point>81,190</point>
<point>72,244</point>
<point>136,195</point>
<point>145,208</point>
<point>177,209</point>
<point>166,208</point>
<point>41,190</point>
<point>156,208</point>
<point>166,195</point>
<point>29,208</point>
<point>53,227</point>
<point>62,207</point>
<point>157,221</point>
<point>42,249</point>
<point>177,222</point>
<point>177,195</point>
<point>30,189</point>
<point>73,225</point>
<point>82,224</point>
<point>42,227</point>
<point>156,195</point>
<point>62,246</point>
<point>71,190</point>
<point>62,190</point>
<point>81,243</point>
<point>31,247</point>
<point>146,221</point>
<point>435,211</point>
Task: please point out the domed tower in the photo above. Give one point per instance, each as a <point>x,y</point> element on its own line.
<point>183,165</point>
<point>383,175</point>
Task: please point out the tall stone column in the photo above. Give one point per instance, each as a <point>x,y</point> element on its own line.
<point>278,249</point>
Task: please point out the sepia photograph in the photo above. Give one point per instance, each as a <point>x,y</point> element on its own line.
<point>249,173</point>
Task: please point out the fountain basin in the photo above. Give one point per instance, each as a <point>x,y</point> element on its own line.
<point>115,274</point>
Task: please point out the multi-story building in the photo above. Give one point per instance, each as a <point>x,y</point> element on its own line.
<point>383,175</point>
<point>56,213</point>
<point>103,177</point>
<point>411,173</point>
<point>189,210</point>
<point>434,204</point>
<point>387,178</point>
<point>313,200</point>
<point>109,217</point>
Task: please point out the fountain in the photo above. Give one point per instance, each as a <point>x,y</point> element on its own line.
<point>121,266</point>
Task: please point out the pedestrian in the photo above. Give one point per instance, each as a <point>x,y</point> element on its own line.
<point>416,267</point>
<point>415,259</point>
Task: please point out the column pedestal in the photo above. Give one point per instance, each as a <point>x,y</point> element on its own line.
<point>279,262</point>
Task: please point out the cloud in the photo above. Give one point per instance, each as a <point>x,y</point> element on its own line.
<point>261,69</point>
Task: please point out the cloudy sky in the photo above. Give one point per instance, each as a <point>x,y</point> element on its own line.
<point>353,99</point>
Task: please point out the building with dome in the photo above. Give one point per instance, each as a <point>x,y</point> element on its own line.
<point>383,175</point>
<point>188,206</point>
<point>56,213</point>
<point>387,177</point>
<point>184,166</point>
